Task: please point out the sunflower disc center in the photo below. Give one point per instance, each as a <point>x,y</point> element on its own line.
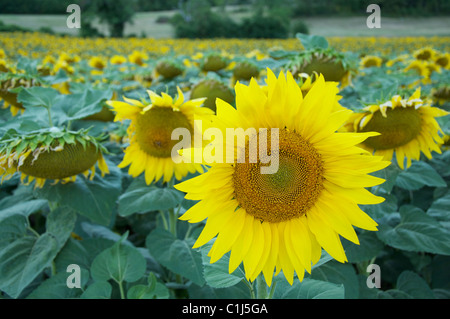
<point>399,127</point>
<point>286,194</point>
<point>154,130</point>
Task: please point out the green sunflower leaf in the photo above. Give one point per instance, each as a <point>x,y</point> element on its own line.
<point>26,256</point>
<point>417,232</point>
<point>94,199</point>
<point>37,97</point>
<point>142,198</point>
<point>120,263</point>
<point>307,289</point>
<point>176,254</point>
<point>312,41</point>
<point>98,290</point>
<point>216,274</point>
<point>418,175</point>
<point>79,105</point>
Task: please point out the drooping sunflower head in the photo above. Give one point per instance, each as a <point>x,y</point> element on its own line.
<point>212,89</point>
<point>331,64</point>
<point>213,62</point>
<point>245,70</point>
<point>406,126</point>
<point>52,154</point>
<point>169,68</point>
<point>443,60</point>
<point>10,81</point>
<point>152,149</point>
<point>441,93</point>
<point>294,187</point>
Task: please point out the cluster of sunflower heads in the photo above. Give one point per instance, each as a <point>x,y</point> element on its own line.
<point>50,154</point>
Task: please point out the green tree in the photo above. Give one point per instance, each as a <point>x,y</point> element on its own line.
<point>115,14</point>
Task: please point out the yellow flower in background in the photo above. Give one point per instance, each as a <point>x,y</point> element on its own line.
<point>370,61</point>
<point>138,57</point>
<point>97,62</point>
<point>118,59</point>
<point>425,54</point>
<point>150,149</point>
<point>406,126</point>
<point>280,222</point>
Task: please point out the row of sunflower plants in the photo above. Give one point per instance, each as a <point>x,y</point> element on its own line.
<point>94,203</point>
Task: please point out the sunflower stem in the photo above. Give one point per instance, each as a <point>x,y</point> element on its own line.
<point>261,288</point>
<point>163,217</point>
<point>50,122</point>
<point>173,221</point>
<point>122,294</point>
<point>250,288</point>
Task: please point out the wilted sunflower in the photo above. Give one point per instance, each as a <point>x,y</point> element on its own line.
<point>282,220</point>
<point>150,132</point>
<point>406,126</point>
<point>333,65</point>
<point>212,89</point>
<point>10,81</point>
<point>51,154</point>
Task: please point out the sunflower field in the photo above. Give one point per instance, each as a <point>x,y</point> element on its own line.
<point>94,202</point>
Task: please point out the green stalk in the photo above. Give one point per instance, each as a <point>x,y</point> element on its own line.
<point>261,288</point>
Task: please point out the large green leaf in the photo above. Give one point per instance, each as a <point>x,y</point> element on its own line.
<point>216,274</point>
<point>37,96</point>
<point>80,105</point>
<point>94,199</point>
<point>312,41</point>
<point>120,263</point>
<point>142,198</point>
<point>414,285</point>
<point>418,175</point>
<point>338,273</point>
<point>439,210</point>
<point>176,254</point>
<point>416,232</point>
<point>307,289</point>
<point>23,259</point>
<point>55,287</point>
<point>98,290</point>
<point>24,208</point>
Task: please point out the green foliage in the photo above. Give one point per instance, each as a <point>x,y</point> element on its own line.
<point>197,20</point>
<point>264,27</point>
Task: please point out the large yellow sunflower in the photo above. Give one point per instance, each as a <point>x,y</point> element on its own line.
<point>406,126</point>
<point>282,220</point>
<point>150,134</point>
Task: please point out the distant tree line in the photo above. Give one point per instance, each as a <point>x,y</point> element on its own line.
<point>297,7</point>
